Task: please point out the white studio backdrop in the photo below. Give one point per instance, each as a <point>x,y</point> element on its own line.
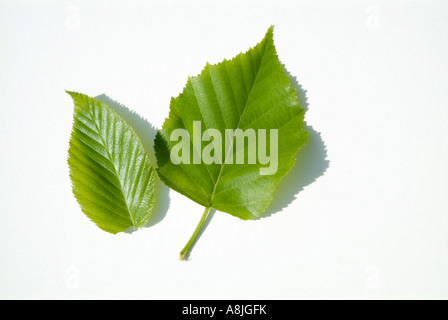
<point>362,215</point>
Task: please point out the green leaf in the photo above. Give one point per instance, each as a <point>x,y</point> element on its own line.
<point>112,178</point>
<point>250,91</point>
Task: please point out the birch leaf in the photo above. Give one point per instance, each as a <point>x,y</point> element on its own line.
<point>112,178</point>
<point>249,92</point>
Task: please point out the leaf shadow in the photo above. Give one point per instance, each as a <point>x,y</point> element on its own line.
<point>311,162</point>
<point>146,132</point>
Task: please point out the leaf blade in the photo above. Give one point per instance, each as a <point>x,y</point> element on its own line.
<point>250,91</point>
<point>112,177</point>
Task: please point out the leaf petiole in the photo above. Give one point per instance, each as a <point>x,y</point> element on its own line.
<point>184,253</point>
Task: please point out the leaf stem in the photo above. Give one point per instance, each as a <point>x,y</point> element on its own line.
<point>184,253</point>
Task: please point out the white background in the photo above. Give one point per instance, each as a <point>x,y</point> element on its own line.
<point>363,214</point>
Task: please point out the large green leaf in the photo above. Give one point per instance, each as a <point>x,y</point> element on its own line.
<point>112,178</point>
<point>250,91</point>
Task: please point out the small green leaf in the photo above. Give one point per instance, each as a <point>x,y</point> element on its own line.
<point>112,178</point>
<point>249,92</point>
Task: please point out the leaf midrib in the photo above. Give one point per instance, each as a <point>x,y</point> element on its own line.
<point>238,125</point>
<point>109,157</point>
